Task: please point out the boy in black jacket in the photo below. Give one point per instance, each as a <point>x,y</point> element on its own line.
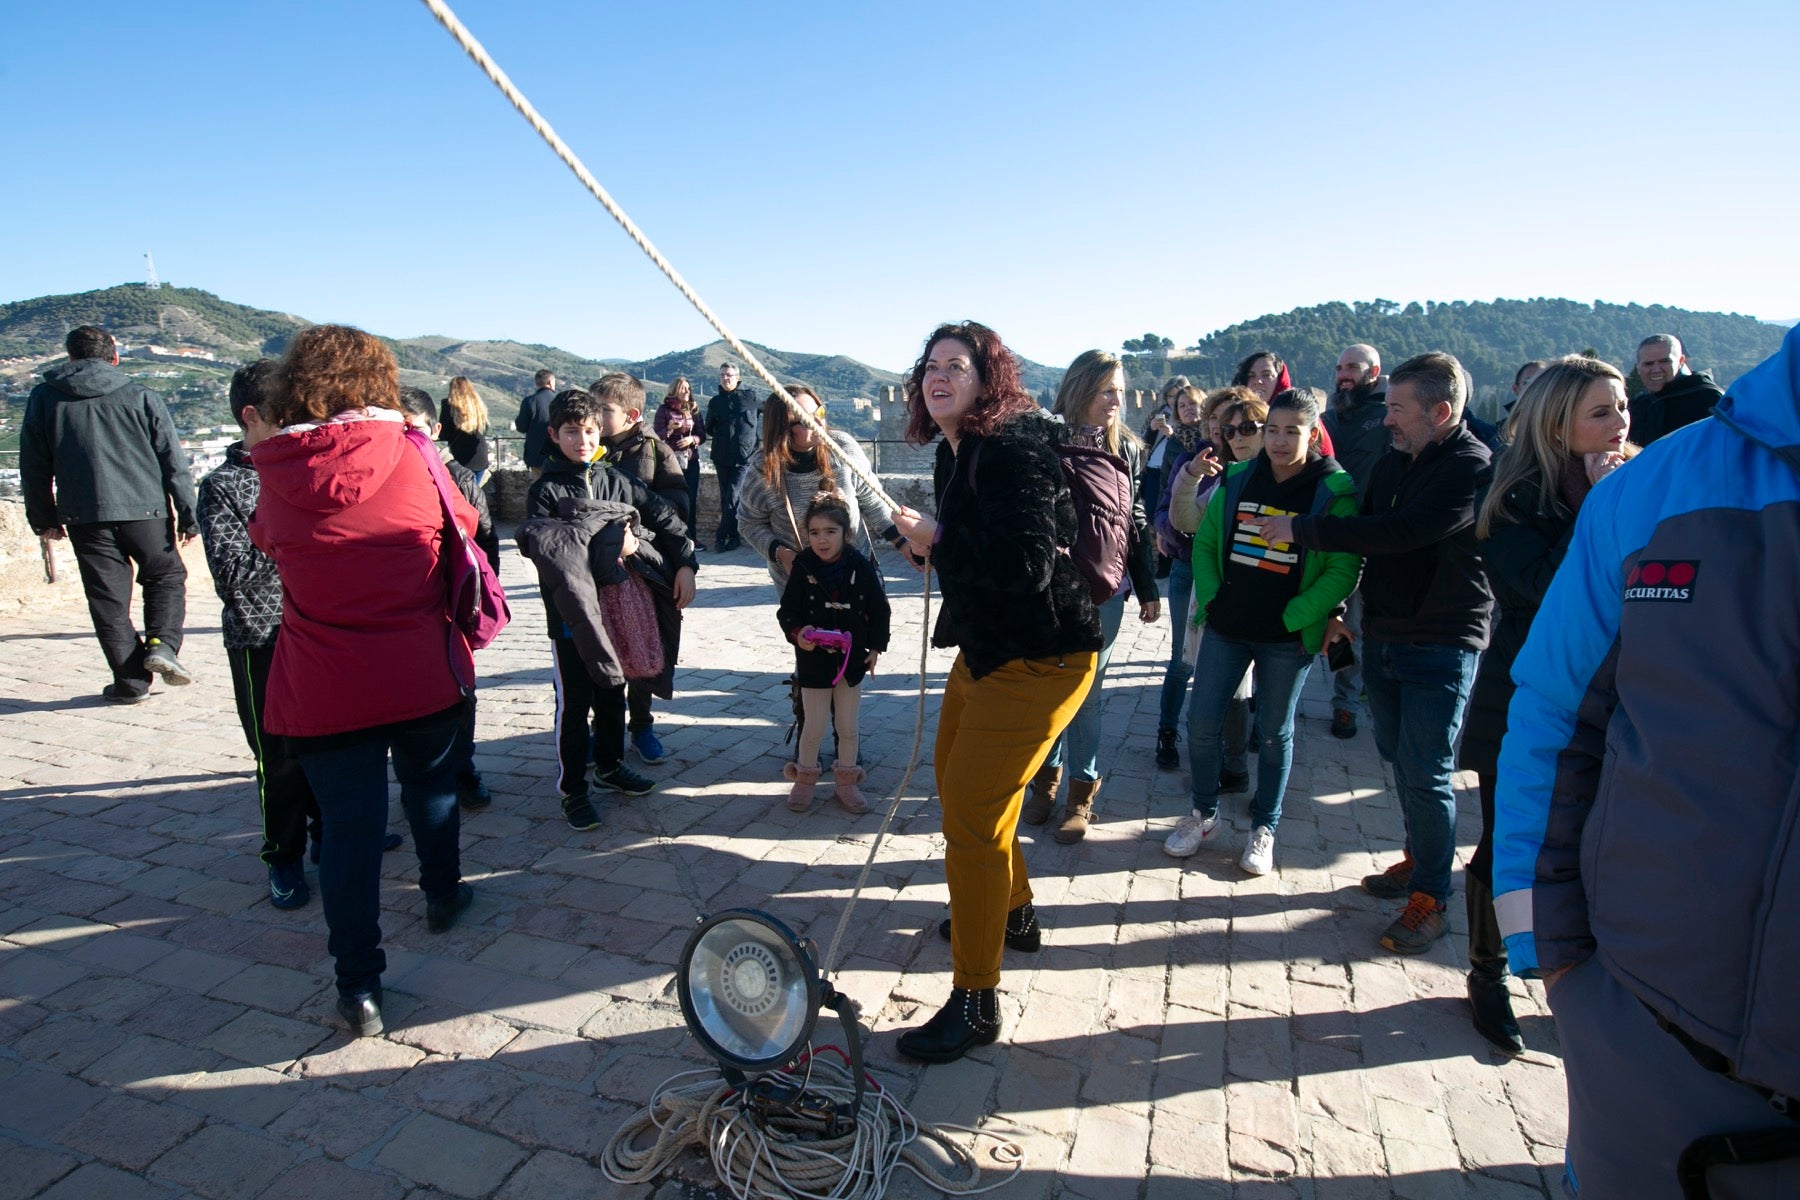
<point>635,451</point>
<point>247,583</point>
<point>572,472</point>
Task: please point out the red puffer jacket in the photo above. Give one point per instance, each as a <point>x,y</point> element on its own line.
<point>352,519</point>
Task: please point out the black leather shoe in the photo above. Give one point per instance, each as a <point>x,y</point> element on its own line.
<point>1493,1015</point>
<point>362,1014</point>
<point>1022,930</point>
<point>971,1018</point>
<point>440,915</point>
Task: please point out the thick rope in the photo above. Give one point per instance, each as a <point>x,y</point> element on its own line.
<point>492,70</point>
<point>784,1156</point>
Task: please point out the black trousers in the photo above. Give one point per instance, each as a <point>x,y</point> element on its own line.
<point>730,474</point>
<point>691,473</point>
<point>576,696</point>
<point>281,786</point>
<point>107,553</point>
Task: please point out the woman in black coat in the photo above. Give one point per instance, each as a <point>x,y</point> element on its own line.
<point>1568,433</point>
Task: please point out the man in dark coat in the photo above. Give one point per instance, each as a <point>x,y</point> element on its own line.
<point>1359,440</point>
<point>101,464</point>
<point>733,418</point>
<point>534,418</point>
<point>1674,395</point>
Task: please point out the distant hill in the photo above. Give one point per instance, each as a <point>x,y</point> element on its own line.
<point>1491,339</point>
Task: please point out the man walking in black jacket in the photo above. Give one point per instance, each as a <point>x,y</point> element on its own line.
<point>1426,606</point>
<point>1673,394</point>
<point>100,463</point>
<point>534,418</point>
<point>733,418</point>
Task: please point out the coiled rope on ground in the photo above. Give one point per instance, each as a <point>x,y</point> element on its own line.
<point>780,1156</point>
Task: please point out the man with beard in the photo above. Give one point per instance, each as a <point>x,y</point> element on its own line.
<point>1359,439</point>
<point>733,418</point>
<point>1673,394</point>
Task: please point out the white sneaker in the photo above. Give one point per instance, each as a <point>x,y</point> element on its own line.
<point>1259,851</point>
<point>1188,835</point>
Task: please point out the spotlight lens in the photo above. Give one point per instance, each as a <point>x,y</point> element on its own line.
<point>748,990</point>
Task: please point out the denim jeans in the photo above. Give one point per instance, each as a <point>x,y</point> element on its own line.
<point>1177,673</point>
<point>350,780</point>
<point>1347,684</point>
<point>1280,670</point>
<point>1417,693</point>
<point>1080,743</point>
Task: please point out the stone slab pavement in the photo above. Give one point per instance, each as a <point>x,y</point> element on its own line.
<point>1186,1032</point>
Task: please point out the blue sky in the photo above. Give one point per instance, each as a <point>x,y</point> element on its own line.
<point>840,178</point>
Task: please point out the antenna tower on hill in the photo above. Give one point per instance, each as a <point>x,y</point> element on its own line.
<point>151,282</point>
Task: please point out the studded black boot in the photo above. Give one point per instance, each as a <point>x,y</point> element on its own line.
<point>970,1019</point>
<point>1022,930</point>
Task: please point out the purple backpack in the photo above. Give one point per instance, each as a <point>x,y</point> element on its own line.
<point>477,602</point>
<point>1100,483</point>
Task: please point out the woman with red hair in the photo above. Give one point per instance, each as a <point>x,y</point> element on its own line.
<point>1027,635</point>
<point>369,661</point>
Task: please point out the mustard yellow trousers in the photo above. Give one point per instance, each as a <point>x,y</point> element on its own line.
<point>993,734</point>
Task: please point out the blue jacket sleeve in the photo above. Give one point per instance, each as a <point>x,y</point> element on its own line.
<point>1551,760</point>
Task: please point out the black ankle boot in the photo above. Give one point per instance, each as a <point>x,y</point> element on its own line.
<point>1489,1001</point>
<point>1022,930</point>
<point>971,1018</point>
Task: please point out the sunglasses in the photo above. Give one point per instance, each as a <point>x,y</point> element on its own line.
<point>1247,429</point>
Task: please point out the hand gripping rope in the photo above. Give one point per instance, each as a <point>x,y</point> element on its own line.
<point>756,1160</point>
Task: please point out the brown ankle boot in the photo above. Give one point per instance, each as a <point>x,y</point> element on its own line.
<point>1041,797</point>
<point>846,777</point>
<point>799,797</point>
<point>1080,811</point>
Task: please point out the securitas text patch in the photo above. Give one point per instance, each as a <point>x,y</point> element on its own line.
<point>1665,580</point>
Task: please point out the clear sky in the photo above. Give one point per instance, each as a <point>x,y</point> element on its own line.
<point>839,178</point>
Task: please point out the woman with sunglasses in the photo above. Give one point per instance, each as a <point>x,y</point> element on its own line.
<point>792,469</point>
<point>1265,607</point>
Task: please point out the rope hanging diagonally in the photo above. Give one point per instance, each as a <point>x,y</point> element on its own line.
<point>474,49</point>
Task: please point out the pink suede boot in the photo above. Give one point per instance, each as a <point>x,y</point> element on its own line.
<point>799,797</point>
<point>848,794</point>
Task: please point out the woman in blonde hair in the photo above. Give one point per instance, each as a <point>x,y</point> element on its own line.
<point>465,418</point>
<point>1567,433</point>
<point>1090,402</point>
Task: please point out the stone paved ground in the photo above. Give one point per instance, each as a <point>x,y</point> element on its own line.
<point>1186,1032</point>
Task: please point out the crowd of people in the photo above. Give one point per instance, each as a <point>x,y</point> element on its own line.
<point>1501,598</point>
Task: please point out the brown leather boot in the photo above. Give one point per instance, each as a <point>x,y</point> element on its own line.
<point>1080,811</point>
<point>1041,797</point>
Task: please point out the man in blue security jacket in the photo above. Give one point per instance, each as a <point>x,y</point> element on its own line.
<point>1647,829</point>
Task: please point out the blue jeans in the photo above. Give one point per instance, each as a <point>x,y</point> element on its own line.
<point>350,780</point>
<point>1417,693</point>
<point>1177,673</point>
<point>1280,670</point>
<point>1080,743</point>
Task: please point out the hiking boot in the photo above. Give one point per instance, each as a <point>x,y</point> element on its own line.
<point>805,779</point>
<point>1232,782</point>
<point>160,660</point>
<point>1259,852</point>
<point>848,794</point>
<point>118,693</point>
<point>1022,930</point>
<point>648,748</point>
<point>471,792</point>
<point>1080,812</point>
<point>1343,723</point>
<point>362,1014</point>
<point>287,884</point>
<point>579,812</point>
<point>440,915</point>
<point>1188,835</point>
<point>1041,797</point>
<point>1167,756</point>
<point>969,1019</point>
<point>1419,924</point>
<point>624,780</point>
<point>1392,883</point>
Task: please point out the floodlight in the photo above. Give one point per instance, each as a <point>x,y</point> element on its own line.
<point>751,992</point>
